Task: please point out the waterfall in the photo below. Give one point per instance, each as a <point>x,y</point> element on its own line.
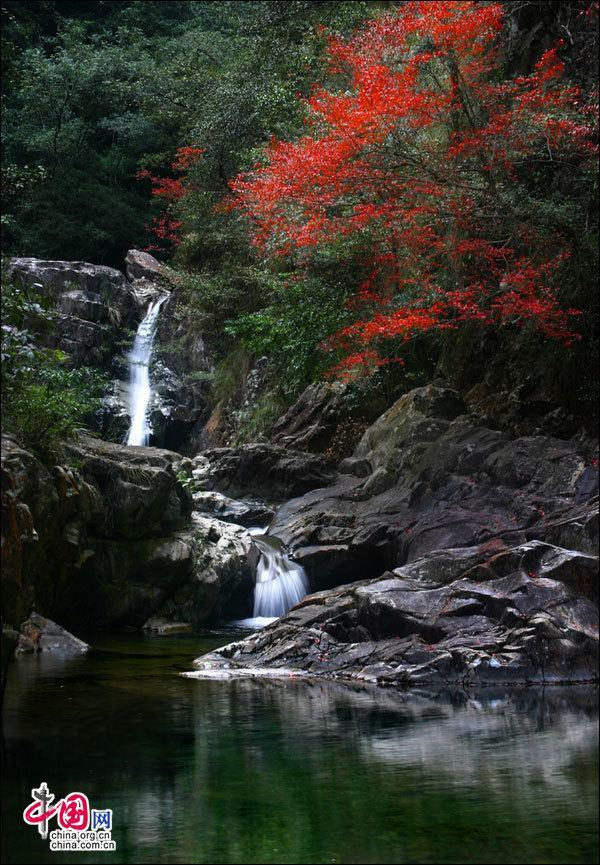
<point>280,583</point>
<point>139,375</point>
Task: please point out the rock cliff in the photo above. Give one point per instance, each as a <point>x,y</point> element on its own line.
<point>480,548</point>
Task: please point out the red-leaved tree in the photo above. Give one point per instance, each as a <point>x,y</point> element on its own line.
<point>417,155</point>
<point>166,227</point>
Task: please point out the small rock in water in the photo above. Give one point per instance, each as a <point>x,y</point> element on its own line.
<point>39,634</point>
<point>163,628</point>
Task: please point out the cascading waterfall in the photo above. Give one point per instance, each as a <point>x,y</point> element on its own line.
<point>280,582</point>
<point>139,376</point>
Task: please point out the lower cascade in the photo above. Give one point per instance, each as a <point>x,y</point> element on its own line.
<point>280,582</point>
<point>139,376</point>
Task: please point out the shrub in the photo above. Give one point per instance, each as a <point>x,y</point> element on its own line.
<point>43,399</point>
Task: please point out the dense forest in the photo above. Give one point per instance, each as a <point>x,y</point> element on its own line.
<point>372,191</point>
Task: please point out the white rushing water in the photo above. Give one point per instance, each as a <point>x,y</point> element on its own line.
<point>280,583</point>
<point>139,376</point>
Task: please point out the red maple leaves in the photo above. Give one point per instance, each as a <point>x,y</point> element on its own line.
<point>416,153</point>
<point>166,227</point>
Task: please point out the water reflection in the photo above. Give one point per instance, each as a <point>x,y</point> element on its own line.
<point>245,771</point>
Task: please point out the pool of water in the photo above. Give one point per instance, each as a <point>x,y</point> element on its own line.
<point>295,772</point>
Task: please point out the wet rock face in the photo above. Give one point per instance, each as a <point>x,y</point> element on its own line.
<point>110,539</point>
<point>487,545</point>
<point>310,423</point>
<point>62,274</point>
<point>244,513</point>
<point>426,477</point>
<point>73,534</point>
<point>223,560</point>
<point>94,303</point>
<point>326,418</point>
<point>181,371</point>
<point>140,492</point>
<point>520,615</point>
<point>266,471</point>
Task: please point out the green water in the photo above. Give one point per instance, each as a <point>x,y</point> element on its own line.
<point>293,772</point>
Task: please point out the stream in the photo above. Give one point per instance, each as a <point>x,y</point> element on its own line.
<point>246,771</point>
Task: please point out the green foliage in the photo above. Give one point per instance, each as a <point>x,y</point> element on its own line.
<point>230,373</point>
<point>43,400</point>
<point>292,329</point>
<point>254,423</point>
<point>213,297</point>
<point>95,91</point>
<point>185,480</point>
<point>74,115</point>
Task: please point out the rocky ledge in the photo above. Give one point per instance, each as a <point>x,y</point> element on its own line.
<point>465,616</point>
<point>426,476</point>
<point>108,538</point>
<point>447,552</point>
<point>266,471</point>
<point>39,634</point>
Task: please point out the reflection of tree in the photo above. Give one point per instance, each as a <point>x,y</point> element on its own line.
<point>328,770</point>
<point>270,771</point>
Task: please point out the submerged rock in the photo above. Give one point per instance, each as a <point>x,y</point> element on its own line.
<point>163,628</point>
<point>39,634</point>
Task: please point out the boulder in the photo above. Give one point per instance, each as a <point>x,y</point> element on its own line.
<point>243,512</point>
<point>223,560</point>
<point>139,486</point>
<point>142,265</point>
<point>427,476</point>
<point>310,423</point>
<point>521,615</point>
<point>39,634</point>
<point>267,471</point>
